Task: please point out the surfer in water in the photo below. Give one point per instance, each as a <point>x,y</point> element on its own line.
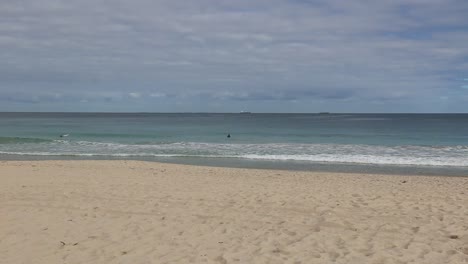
<point>64,135</point>
<point>228,135</point>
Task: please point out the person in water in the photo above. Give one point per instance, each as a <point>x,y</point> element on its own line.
<point>228,135</point>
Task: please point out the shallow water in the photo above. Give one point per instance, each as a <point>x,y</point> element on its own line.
<point>291,140</point>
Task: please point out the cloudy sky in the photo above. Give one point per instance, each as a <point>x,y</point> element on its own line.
<point>233,55</point>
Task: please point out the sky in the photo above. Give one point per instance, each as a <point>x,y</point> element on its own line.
<point>362,56</point>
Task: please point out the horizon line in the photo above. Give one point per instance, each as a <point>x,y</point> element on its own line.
<point>240,112</point>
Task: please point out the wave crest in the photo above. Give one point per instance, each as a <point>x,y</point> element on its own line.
<point>320,153</point>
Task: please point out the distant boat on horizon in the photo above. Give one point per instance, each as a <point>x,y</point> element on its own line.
<point>245,112</point>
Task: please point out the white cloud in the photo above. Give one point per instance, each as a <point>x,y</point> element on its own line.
<point>134,95</point>
<point>235,49</point>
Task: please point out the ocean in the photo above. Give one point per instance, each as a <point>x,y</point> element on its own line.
<point>380,143</point>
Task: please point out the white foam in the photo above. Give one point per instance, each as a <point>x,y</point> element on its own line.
<point>322,153</point>
<point>364,159</point>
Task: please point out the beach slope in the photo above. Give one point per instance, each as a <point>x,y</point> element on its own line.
<point>145,212</point>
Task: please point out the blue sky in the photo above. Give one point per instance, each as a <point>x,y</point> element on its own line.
<point>228,56</point>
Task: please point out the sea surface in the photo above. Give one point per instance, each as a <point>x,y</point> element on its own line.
<point>401,143</point>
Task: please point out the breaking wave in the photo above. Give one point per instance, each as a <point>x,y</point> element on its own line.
<point>453,156</point>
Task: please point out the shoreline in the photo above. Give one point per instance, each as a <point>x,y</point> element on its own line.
<point>141,212</point>
<point>320,167</point>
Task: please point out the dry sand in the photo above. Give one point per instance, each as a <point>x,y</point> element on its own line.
<point>144,212</point>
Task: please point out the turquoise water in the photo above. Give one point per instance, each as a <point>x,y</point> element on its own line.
<point>435,140</point>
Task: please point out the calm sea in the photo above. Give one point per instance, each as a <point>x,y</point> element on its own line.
<point>425,143</point>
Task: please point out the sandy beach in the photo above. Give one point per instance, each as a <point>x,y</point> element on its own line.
<point>146,212</point>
